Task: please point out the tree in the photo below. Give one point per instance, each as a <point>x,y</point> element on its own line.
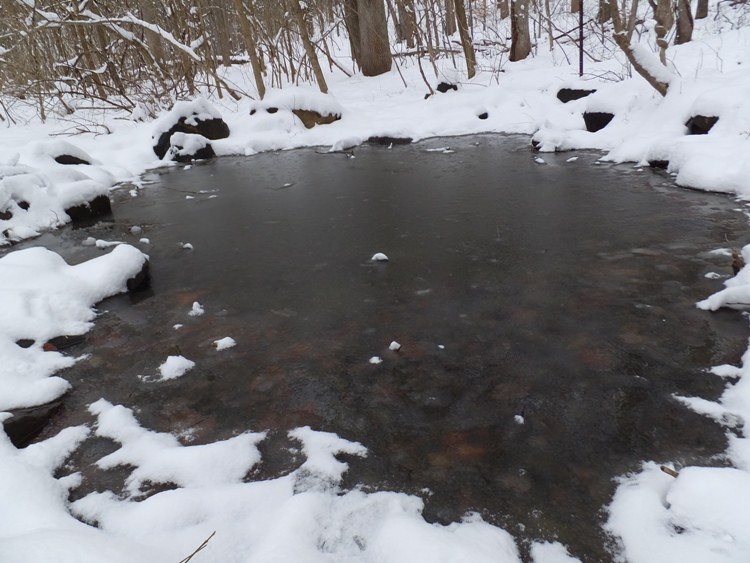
<point>701,10</point>
<point>463,31</point>
<point>252,51</point>
<point>641,58</point>
<point>684,22</point>
<point>368,32</point>
<point>520,38</point>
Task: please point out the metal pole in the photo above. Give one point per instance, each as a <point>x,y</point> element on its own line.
<point>580,38</point>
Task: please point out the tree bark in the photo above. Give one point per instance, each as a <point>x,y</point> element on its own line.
<point>252,51</point>
<point>463,31</point>
<point>504,8</point>
<point>450,18</point>
<point>575,6</point>
<point>664,22</point>
<point>624,44</point>
<point>375,49</point>
<point>701,10</point>
<point>684,22</point>
<point>520,38</point>
<point>605,11</point>
<point>309,48</point>
<point>351,20</point>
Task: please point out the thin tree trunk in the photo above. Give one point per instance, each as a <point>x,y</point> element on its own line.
<point>701,10</point>
<point>664,22</point>
<point>450,18</point>
<point>605,11</point>
<point>252,51</point>
<point>351,20</point>
<point>623,33</point>
<point>575,6</point>
<point>684,22</point>
<point>309,49</point>
<point>504,7</point>
<point>520,41</point>
<point>463,31</point>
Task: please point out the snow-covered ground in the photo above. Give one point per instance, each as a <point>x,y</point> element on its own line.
<point>700,516</point>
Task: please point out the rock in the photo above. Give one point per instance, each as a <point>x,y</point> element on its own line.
<point>566,95</point>
<point>24,205</point>
<point>70,159</point>
<point>27,424</point>
<point>386,140</point>
<point>661,164</point>
<point>63,342</point>
<point>311,118</point>
<point>186,147</point>
<point>6,215</point>
<point>97,207</point>
<point>197,118</point>
<point>271,110</point>
<point>597,120</point>
<point>443,87</point>
<point>142,280</point>
<point>484,115</point>
<point>700,124</point>
<point>25,343</point>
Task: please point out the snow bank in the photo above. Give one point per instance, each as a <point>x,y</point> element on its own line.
<point>303,516</point>
<point>42,297</point>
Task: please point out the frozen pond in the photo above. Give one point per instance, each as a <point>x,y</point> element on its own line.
<point>545,311</point>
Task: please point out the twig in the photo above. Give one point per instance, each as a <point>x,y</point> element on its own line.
<point>202,546</point>
<point>664,468</point>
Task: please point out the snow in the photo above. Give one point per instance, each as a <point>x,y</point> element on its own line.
<point>175,366</point>
<point>699,516</point>
<point>379,257</point>
<point>42,297</point>
<point>224,343</point>
<point>395,346</point>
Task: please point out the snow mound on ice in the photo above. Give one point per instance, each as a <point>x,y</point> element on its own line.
<point>42,297</point>
<point>174,367</point>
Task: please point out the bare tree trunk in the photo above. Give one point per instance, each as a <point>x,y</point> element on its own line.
<point>463,31</point>
<point>450,18</point>
<point>575,6</point>
<point>664,22</point>
<point>520,39</point>
<point>623,34</point>
<point>351,20</point>
<point>309,49</point>
<point>684,22</point>
<point>221,32</point>
<point>252,51</point>
<point>605,11</point>
<point>375,50</point>
<point>504,7</point>
<point>701,10</point>
<point>409,24</point>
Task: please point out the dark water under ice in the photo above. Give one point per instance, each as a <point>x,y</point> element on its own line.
<point>562,293</point>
